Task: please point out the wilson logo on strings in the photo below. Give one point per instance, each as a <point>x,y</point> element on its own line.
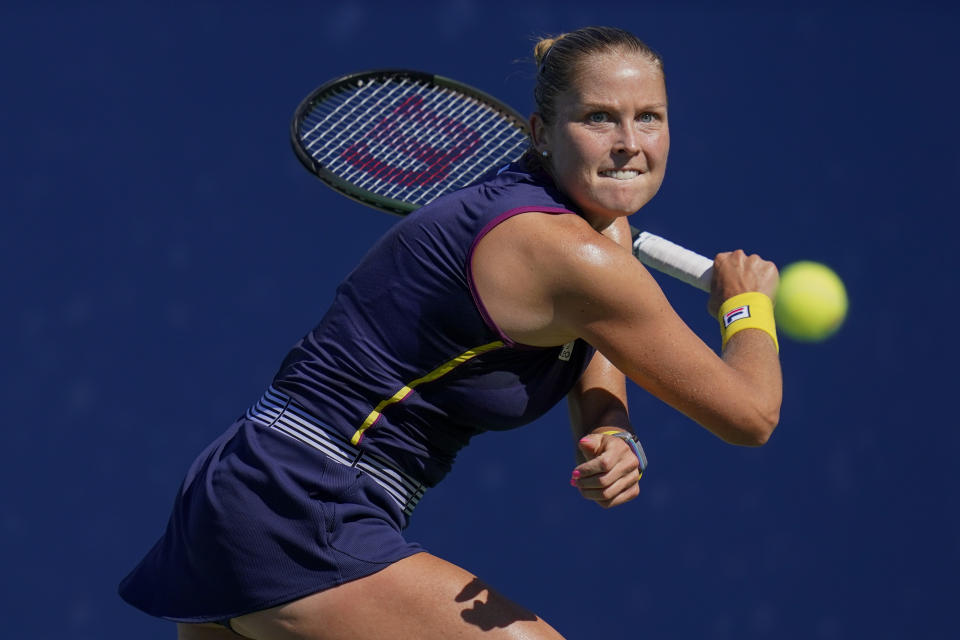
<point>392,151</point>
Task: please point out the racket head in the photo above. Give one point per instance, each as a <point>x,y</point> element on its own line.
<point>396,139</point>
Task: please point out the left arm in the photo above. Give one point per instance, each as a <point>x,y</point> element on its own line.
<point>607,470</point>
<point>598,402</point>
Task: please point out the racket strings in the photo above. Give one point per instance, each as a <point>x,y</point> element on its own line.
<point>464,141</point>
<point>326,133</point>
<point>437,102</point>
<point>407,140</point>
<point>445,142</point>
<point>323,131</point>
<point>489,125</point>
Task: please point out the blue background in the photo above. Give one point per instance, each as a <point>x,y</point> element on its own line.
<point>161,248</point>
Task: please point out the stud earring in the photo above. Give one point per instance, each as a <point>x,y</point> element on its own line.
<point>545,153</point>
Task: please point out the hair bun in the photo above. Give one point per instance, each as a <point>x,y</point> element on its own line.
<point>542,47</point>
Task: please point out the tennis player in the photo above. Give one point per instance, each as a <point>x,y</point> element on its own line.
<point>478,312</point>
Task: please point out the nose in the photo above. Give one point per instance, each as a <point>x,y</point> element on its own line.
<point>627,141</point>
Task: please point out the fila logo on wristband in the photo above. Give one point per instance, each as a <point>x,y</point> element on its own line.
<point>737,313</point>
<point>755,309</point>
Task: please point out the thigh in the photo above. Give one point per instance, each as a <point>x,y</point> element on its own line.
<point>420,597</point>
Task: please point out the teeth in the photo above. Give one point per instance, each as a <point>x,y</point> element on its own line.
<point>620,175</point>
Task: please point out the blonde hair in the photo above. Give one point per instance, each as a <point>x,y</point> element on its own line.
<point>542,47</point>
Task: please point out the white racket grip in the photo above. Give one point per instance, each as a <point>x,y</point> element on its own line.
<point>672,259</point>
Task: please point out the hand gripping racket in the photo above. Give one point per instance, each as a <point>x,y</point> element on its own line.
<point>396,140</point>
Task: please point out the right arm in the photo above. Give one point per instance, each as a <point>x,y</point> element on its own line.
<point>616,305</point>
<point>546,279</point>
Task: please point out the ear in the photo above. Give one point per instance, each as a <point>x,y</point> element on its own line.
<point>538,132</point>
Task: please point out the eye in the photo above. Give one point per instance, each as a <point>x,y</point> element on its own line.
<point>648,117</point>
<point>598,117</point>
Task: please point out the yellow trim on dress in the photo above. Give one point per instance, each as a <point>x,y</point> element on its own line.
<point>405,390</point>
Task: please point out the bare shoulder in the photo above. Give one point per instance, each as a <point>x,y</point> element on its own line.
<point>528,267</point>
<point>549,242</point>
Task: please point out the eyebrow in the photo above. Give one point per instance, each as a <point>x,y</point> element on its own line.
<point>607,106</point>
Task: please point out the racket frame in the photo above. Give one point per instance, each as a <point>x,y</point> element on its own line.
<point>347,188</point>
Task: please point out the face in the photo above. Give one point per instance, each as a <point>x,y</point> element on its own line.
<point>608,144</point>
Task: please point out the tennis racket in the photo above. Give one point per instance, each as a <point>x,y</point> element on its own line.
<point>397,139</point>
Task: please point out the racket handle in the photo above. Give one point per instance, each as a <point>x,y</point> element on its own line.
<point>672,259</point>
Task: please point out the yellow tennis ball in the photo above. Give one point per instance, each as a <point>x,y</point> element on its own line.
<point>811,301</point>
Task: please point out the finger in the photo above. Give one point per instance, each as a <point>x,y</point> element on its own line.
<point>624,490</point>
<point>610,482</point>
<point>590,445</point>
<point>595,448</point>
<point>596,466</point>
<point>627,469</point>
<point>623,467</point>
<point>609,461</point>
<point>631,493</point>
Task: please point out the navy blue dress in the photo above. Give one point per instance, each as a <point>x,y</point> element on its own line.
<point>313,486</point>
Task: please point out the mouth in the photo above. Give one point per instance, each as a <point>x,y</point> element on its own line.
<point>621,174</point>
